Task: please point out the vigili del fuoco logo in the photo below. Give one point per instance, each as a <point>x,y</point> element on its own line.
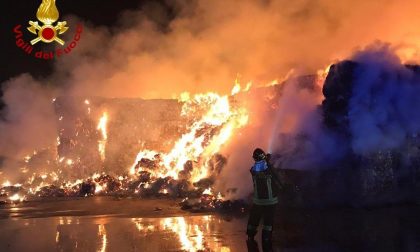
<point>47,30</point>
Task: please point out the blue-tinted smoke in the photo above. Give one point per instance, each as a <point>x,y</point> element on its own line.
<point>373,100</point>
<point>385,104</point>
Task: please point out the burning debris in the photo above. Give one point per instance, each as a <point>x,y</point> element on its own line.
<point>11,193</point>
<point>92,133</point>
<point>203,139</point>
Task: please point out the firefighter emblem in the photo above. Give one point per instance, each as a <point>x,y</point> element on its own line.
<point>47,32</point>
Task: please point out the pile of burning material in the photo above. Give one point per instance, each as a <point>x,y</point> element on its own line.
<point>192,154</point>
<point>189,168</point>
<point>209,202</point>
<point>99,184</point>
<point>179,143</point>
<point>11,193</point>
<point>205,203</point>
<point>194,197</point>
<point>98,134</point>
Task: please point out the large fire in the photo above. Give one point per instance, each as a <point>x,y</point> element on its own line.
<point>202,141</point>
<point>186,166</point>
<point>211,122</point>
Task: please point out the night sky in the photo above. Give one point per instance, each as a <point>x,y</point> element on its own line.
<point>99,12</point>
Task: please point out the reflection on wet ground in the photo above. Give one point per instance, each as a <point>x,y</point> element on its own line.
<point>193,233</point>
<point>386,229</point>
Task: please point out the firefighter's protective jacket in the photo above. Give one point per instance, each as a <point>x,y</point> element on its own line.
<point>266,183</point>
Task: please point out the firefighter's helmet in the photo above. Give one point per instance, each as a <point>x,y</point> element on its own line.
<point>258,154</point>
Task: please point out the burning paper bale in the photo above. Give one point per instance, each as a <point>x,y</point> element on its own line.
<point>93,133</point>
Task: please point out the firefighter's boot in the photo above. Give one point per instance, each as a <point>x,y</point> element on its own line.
<point>267,240</point>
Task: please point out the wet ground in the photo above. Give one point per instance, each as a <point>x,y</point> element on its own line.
<point>108,224</point>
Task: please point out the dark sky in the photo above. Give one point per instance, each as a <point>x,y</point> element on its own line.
<point>13,12</point>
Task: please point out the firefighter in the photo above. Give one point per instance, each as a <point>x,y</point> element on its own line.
<point>266,186</point>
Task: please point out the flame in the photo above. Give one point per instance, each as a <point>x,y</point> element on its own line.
<point>16,197</point>
<point>272,83</point>
<point>6,183</point>
<point>248,86</point>
<point>203,140</point>
<point>219,196</point>
<point>213,120</point>
<point>207,191</point>
<point>102,127</point>
<point>99,188</point>
<point>47,12</point>
<point>322,75</point>
<point>236,89</point>
<point>87,103</point>
<point>185,96</point>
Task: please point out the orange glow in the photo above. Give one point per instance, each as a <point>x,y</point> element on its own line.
<point>192,233</point>
<point>102,127</point>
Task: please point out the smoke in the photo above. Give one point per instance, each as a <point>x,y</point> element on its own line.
<point>382,113</point>
<point>28,120</point>
<point>150,54</point>
<point>384,106</point>
<point>278,117</point>
<point>28,123</point>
